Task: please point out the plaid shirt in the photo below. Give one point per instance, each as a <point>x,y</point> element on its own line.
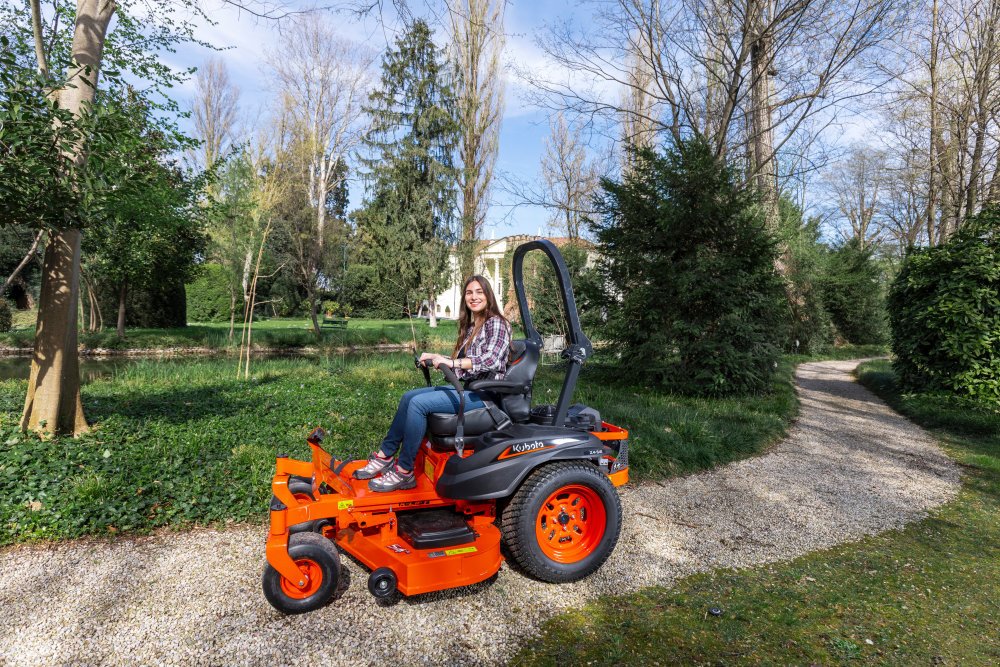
<point>489,351</point>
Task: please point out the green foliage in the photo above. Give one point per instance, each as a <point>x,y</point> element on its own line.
<point>406,222</point>
<point>944,312</point>
<point>694,302</point>
<point>6,317</point>
<point>208,298</point>
<point>853,287</point>
<point>809,322</point>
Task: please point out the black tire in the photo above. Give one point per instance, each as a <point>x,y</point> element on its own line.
<point>315,554</point>
<point>300,486</point>
<point>590,533</point>
<point>382,583</point>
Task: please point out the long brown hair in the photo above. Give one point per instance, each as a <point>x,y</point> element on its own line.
<point>466,319</point>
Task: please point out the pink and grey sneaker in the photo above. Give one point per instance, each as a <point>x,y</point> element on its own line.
<point>376,466</point>
<point>394,480</point>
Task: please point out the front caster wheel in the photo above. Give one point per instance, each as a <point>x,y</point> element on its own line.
<point>382,583</point>
<point>319,562</point>
<point>564,521</point>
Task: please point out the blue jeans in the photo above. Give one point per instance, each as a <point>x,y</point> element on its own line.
<point>410,423</point>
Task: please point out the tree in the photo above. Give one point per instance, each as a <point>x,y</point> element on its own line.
<point>749,75</point>
<point>694,302</point>
<point>152,230</point>
<point>214,113</point>
<point>406,222</point>
<point>77,44</point>
<point>477,35</point>
<point>568,181</point>
<point>944,313</point>
<point>321,80</point>
<point>857,184</point>
<point>853,288</point>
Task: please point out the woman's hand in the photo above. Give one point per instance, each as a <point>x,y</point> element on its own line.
<point>441,360</point>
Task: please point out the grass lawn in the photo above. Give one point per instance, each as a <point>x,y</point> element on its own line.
<point>926,595</point>
<point>184,443</point>
<point>273,333</point>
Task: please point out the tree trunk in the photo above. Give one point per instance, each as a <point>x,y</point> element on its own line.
<point>122,292</point>
<point>432,318</point>
<point>935,131</point>
<point>232,313</point>
<point>761,131</point>
<point>53,400</point>
<point>311,297</point>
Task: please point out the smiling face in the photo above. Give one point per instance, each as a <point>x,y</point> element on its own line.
<point>475,298</point>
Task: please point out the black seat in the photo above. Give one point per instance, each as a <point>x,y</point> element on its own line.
<point>442,427</point>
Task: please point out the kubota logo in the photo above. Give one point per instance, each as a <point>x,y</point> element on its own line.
<point>524,447</point>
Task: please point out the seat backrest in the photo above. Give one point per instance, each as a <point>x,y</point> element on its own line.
<point>521,368</point>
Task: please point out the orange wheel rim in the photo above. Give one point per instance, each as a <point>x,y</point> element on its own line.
<point>309,568</point>
<point>570,523</point>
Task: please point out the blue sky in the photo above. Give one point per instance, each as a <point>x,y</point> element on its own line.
<point>245,40</point>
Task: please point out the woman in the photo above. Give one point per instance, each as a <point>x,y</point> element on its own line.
<point>481,351</point>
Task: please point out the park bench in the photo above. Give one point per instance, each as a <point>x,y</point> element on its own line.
<point>335,322</point>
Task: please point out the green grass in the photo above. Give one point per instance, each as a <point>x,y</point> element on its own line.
<point>275,333</point>
<point>929,594</point>
<point>177,444</point>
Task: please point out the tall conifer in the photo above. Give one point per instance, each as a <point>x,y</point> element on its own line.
<point>407,221</point>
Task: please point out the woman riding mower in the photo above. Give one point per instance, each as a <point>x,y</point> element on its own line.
<point>481,352</point>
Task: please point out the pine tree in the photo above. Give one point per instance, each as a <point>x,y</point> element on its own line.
<point>407,220</point>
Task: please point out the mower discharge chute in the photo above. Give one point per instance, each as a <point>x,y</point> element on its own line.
<point>542,480</point>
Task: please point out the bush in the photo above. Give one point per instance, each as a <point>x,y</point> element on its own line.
<point>810,330</point>
<point>6,317</point>
<point>694,302</point>
<point>944,313</point>
<point>854,294</point>
<point>208,297</point>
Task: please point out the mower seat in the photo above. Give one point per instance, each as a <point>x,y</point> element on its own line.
<point>442,427</point>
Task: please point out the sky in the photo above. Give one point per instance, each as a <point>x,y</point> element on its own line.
<point>245,39</point>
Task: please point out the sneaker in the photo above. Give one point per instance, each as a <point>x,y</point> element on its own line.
<point>394,480</point>
<point>376,466</point>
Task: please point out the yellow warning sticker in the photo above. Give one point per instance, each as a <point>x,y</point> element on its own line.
<point>344,504</point>
<point>428,469</point>
<point>463,550</point>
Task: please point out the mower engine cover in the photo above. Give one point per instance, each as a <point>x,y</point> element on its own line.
<point>505,458</point>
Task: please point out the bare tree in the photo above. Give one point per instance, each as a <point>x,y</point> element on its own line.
<point>570,178</point>
<point>214,112</point>
<point>322,80</point>
<point>857,184</point>
<point>747,74</point>
<point>477,41</point>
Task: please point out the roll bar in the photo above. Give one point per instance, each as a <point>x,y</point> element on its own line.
<point>579,347</point>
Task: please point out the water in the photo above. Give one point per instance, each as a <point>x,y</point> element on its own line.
<point>91,369</point>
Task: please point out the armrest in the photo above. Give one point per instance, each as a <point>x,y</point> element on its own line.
<point>498,386</point>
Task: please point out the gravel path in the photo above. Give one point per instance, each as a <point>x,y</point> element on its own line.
<point>850,467</point>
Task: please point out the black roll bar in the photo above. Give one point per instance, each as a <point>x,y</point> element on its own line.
<point>579,347</point>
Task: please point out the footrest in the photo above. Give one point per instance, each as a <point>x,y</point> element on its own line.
<point>434,529</point>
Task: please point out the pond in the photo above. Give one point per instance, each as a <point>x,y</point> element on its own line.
<point>91,368</point>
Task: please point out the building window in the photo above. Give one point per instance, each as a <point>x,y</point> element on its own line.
<point>447,311</point>
<point>439,309</point>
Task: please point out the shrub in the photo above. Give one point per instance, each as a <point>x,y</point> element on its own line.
<point>944,313</point>
<point>208,297</point>
<point>810,330</point>
<point>695,304</point>
<point>853,289</point>
<point>6,317</point>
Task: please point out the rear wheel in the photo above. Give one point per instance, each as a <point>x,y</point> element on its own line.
<point>317,559</point>
<point>564,521</point>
